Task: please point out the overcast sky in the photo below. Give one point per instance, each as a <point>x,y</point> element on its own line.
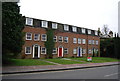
<point>82,13</point>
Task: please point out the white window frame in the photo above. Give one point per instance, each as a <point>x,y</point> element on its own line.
<point>96,42</point>
<point>38,38</point>
<point>83,41</point>
<point>26,50</point>
<point>79,40</point>
<point>54,49</point>
<point>54,25</point>
<point>93,41</point>
<point>66,39</point>
<point>55,38</point>
<point>84,51</point>
<point>74,40</point>
<point>89,51</point>
<point>83,30</point>
<point>43,50</point>
<point>74,29</point>
<point>89,42</point>
<point>74,51</point>
<point>29,21</point>
<point>66,27</point>
<point>66,49</point>
<point>44,24</point>
<point>43,37</point>
<point>60,39</point>
<point>29,36</point>
<point>89,31</point>
<point>96,32</point>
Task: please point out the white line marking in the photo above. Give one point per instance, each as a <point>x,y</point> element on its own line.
<point>110,74</point>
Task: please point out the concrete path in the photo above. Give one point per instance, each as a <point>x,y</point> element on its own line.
<point>42,68</point>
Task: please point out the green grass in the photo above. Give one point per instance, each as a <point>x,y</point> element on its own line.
<point>28,62</point>
<point>63,61</point>
<point>97,59</point>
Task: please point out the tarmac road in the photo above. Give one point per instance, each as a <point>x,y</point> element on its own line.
<point>106,72</point>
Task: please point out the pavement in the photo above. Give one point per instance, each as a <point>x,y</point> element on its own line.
<point>44,68</point>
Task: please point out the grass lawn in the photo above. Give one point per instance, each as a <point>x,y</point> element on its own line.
<point>97,59</point>
<point>28,62</point>
<point>63,61</point>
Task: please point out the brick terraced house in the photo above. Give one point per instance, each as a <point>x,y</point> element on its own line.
<point>70,41</point>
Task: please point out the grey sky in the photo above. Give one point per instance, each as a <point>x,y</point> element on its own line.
<point>83,13</point>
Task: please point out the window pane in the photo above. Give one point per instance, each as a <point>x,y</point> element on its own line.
<point>74,40</point>
<point>60,38</point>
<point>66,39</point>
<point>79,41</point>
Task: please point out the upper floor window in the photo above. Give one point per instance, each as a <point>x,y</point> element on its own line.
<point>66,39</point>
<point>44,37</point>
<point>66,27</point>
<point>74,40</point>
<point>96,42</point>
<point>83,30</point>
<point>83,41</point>
<point>55,38</point>
<point>74,29</point>
<point>79,41</point>
<point>60,39</point>
<point>96,33</point>
<point>89,31</point>
<point>36,37</point>
<point>89,41</point>
<point>28,36</point>
<point>54,51</point>
<point>27,50</point>
<point>65,50</point>
<point>29,21</point>
<point>74,51</point>
<point>45,24</point>
<point>93,42</point>
<point>43,50</point>
<point>54,25</point>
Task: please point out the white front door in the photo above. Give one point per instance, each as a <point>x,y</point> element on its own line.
<point>36,51</point>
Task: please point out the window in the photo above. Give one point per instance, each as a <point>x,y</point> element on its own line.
<point>93,42</point>
<point>55,38</point>
<point>60,39</point>
<point>96,42</point>
<point>83,41</point>
<point>28,36</point>
<point>66,39</point>
<point>45,24</point>
<point>74,40</point>
<point>89,51</point>
<point>79,41</point>
<point>89,31</point>
<point>96,33</point>
<point>54,25</point>
<point>83,30</point>
<point>27,50</point>
<point>66,27</point>
<point>89,41</point>
<point>29,21</point>
<point>65,50</point>
<point>54,51</point>
<point>74,29</point>
<point>75,51</point>
<point>44,37</point>
<point>43,50</point>
<point>84,51</point>
<point>36,37</point>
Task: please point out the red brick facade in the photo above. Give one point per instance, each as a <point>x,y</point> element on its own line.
<point>70,45</point>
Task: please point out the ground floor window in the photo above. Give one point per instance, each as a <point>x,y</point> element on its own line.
<point>27,50</point>
<point>65,50</point>
<point>54,51</point>
<point>89,51</point>
<point>74,51</point>
<point>43,50</point>
<point>84,51</point>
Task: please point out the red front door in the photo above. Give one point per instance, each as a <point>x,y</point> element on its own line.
<point>60,52</point>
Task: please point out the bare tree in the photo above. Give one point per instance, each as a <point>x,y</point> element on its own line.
<point>105,30</point>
